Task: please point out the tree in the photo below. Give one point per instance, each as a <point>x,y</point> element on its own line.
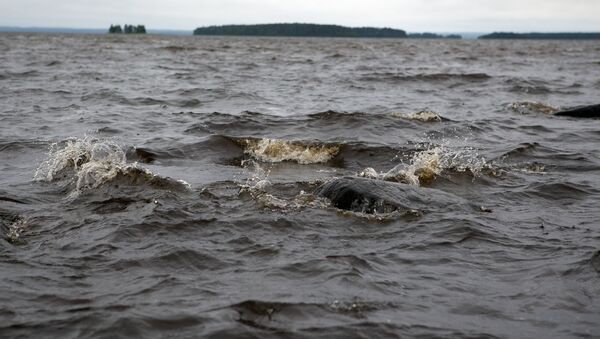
<point>115,29</point>
<point>127,29</point>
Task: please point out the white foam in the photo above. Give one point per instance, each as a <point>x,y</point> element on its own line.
<point>276,150</point>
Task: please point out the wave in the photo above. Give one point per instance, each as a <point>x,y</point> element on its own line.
<point>117,97</point>
<point>560,191</point>
<point>90,163</point>
<point>176,48</point>
<point>20,145</point>
<point>147,101</point>
<point>232,150</point>
<point>266,314</point>
<point>553,192</point>
<point>535,155</point>
<point>335,115</point>
<point>173,259</point>
<point>537,87</point>
<point>429,77</point>
<point>426,165</point>
<point>277,150</point>
<point>213,148</point>
<point>322,126</point>
<point>18,75</point>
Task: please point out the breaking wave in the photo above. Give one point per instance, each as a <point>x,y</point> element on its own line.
<point>89,163</point>
<point>426,165</point>
<point>276,150</point>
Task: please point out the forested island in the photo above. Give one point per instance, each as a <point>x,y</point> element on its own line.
<point>127,29</point>
<point>302,30</point>
<point>433,36</point>
<point>542,36</point>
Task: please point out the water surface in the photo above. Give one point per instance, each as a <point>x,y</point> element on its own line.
<point>160,186</point>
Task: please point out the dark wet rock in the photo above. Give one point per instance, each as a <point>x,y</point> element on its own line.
<point>376,196</point>
<point>596,261</point>
<point>591,111</point>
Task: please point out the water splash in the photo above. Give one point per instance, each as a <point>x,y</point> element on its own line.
<point>90,163</point>
<point>257,185</point>
<point>257,176</point>
<point>423,167</point>
<point>426,165</point>
<point>76,153</point>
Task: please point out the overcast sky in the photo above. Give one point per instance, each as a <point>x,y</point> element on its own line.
<point>411,15</point>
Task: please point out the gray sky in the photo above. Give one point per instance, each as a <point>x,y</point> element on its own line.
<point>411,15</point>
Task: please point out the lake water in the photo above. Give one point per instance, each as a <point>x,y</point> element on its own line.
<point>162,186</point>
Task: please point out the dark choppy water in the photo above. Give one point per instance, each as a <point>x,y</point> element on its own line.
<point>163,187</point>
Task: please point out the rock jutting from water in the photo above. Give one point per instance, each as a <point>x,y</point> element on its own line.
<point>591,111</point>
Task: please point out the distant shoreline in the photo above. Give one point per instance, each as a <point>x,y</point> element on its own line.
<point>541,36</point>
<point>91,31</point>
<point>301,30</point>
<point>315,31</point>
<point>463,35</point>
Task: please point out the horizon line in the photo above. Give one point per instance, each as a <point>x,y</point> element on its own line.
<point>27,27</point>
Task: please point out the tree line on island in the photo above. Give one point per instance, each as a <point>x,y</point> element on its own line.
<point>127,29</point>
<point>433,36</point>
<point>542,36</point>
<point>315,30</point>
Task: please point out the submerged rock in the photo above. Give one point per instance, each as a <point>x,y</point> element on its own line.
<point>377,196</point>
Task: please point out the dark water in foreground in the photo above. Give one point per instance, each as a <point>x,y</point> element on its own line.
<point>163,187</point>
